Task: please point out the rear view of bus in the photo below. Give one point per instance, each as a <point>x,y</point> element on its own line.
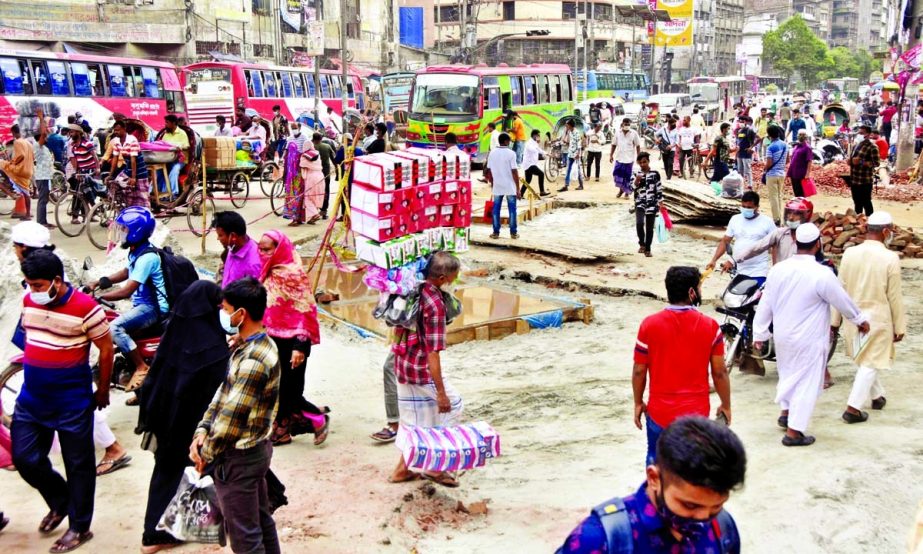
<point>209,91</point>
<point>463,99</point>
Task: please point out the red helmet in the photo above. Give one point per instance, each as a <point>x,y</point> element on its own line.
<point>801,206</point>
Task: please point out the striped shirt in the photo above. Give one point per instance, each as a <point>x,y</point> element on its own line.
<point>85,154</point>
<point>413,347</point>
<point>56,362</point>
<point>130,148</point>
<point>240,414</point>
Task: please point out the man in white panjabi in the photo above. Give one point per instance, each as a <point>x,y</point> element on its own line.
<point>871,275</point>
<point>796,302</point>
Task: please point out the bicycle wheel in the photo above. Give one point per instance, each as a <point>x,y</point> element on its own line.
<point>70,213</point>
<point>58,187</point>
<point>101,217</point>
<point>194,208</point>
<point>239,189</point>
<point>7,202</point>
<point>264,174</point>
<point>11,381</point>
<point>277,198</point>
<point>551,167</point>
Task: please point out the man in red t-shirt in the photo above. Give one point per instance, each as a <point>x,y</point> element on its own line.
<point>675,347</point>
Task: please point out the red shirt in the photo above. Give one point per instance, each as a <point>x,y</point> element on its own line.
<point>677,344</point>
<point>888,113</point>
<point>882,148</point>
<point>412,347</point>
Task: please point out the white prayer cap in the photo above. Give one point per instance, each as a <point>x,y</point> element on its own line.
<point>880,219</point>
<point>807,233</point>
<point>31,234</point>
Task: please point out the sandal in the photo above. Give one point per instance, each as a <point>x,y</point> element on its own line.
<point>136,380</point>
<point>114,465</point>
<point>133,401</point>
<point>411,476</point>
<point>50,522</point>
<point>385,435</point>
<point>280,434</point>
<point>72,540</point>
<point>443,479</point>
<point>321,434</point>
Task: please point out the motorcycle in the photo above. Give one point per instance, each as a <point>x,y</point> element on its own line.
<point>828,151</point>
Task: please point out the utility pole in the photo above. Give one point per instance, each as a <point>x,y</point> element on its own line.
<point>907,109</point>
<point>576,41</point>
<point>438,26</point>
<point>344,97</point>
<point>321,16</point>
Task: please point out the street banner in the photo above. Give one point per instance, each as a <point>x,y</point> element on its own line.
<point>678,9</point>
<point>676,33</point>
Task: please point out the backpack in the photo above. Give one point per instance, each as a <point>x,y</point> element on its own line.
<point>614,518</point>
<point>178,274</point>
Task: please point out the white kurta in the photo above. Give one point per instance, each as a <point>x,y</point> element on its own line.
<point>796,301</point>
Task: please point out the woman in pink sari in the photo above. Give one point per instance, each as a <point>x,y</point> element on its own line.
<point>312,175</point>
<point>291,321</point>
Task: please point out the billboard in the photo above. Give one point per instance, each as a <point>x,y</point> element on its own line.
<point>676,8</point>
<point>677,32</point>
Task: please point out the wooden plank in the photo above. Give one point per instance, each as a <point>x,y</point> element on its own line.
<point>522,327</point>
<point>573,253</point>
<point>482,333</point>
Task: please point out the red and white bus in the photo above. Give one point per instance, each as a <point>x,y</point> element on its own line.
<point>216,88</point>
<point>96,86</point>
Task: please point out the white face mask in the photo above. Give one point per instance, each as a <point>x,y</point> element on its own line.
<point>44,297</point>
<point>225,319</point>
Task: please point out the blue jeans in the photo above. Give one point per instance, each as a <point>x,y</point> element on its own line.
<point>32,433</point>
<point>132,321</point>
<point>173,175</point>
<point>520,148</point>
<point>570,163</point>
<point>41,212</point>
<point>653,433</point>
<point>511,204</point>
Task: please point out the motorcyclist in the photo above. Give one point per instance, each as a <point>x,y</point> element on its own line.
<point>744,229</point>
<point>144,283</point>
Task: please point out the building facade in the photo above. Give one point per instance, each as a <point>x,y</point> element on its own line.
<point>817,14</point>
<point>859,24</point>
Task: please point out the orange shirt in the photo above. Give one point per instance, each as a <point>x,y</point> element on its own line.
<point>519,130</point>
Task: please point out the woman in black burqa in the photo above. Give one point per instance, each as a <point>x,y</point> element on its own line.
<point>191,363</point>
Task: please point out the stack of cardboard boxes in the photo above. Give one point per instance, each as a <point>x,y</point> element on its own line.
<point>220,152</point>
<point>407,204</point>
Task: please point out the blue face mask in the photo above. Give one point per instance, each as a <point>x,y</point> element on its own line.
<point>690,528</point>
<point>225,319</point>
<point>748,213</point>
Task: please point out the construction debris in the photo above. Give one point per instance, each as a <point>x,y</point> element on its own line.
<point>840,232</point>
<point>692,202</point>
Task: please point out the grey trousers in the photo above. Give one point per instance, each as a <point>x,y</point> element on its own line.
<point>390,382</point>
<point>240,482</point>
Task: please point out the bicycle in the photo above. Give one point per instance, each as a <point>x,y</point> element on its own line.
<point>7,196</point>
<point>11,383</point>
<point>554,161</point>
<point>72,210</point>
<point>104,213</point>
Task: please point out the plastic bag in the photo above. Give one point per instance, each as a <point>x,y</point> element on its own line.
<point>193,515</point>
<point>808,187</point>
<point>660,229</point>
<point>666,218</point>
<point>454,448</point>
<point>716,187</point>
<point>732,185</point>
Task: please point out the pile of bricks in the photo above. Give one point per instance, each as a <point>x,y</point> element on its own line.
<point>842,231</point>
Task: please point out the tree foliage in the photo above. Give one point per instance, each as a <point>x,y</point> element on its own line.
<point>793,48</point>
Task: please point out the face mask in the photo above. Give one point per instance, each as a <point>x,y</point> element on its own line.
<point>859,138</point>
<point>626,128</point>
<point>697,301</point>
<point>297,133</point>
<point>45,297</point>
<point>748,213</point>
<point>889,239</point>
<point>690,528</point>
<point>792,224</point>
<point>225,319</point>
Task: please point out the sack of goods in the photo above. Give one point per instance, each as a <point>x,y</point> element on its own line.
<point>407,205</point>
<point>732,185</point>
<point>456,448</point>
<point>159,152</point>
<point>193,515</point>
<point>220,152</point>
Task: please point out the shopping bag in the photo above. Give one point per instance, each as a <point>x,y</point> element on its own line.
<point>716,188</point>
<point>808,186</point>
<point>666,218</point>
<point>455,448</point>
<point>660,229</point>
<point>193,515</point>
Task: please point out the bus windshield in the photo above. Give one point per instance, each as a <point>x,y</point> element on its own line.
<point>703,92</point>
<point>445,94</point>
<point>210,74</point>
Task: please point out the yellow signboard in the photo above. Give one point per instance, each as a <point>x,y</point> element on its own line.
<point>677,32</point>
<point>676,8</point>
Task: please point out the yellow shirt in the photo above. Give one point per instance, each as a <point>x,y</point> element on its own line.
<point>177,138</point>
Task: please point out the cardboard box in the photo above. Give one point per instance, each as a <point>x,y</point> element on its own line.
<point>388,255</point>
<point>377,172</point>
<point>462,239</point>
<point>423,166</point>
<point>436,238</point>
<point>446,215</point>
<point>427,218</point>
<point>457,192</point>
<point>407,168</point>
<point>379,229</point>
<point>424,243</point>
<point>461,216</point>
<point>458,165</point>
<point>380,203</point>
<point>430,194</point>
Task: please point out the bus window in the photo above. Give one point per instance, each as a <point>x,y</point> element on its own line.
<point>337,90</point>
<point>545,89</point>
<point>349,89</point>
<point>541,87</point>
<point>116,80</point>
<point>287,87</point>
<point>568,86</point>
<point>311,85</point>
<point>298,84</point>
<point>40,78</point>
<point>134,84</point>
<point>150,78</point>
<point>58,74</point>
<point>492,98</point>
<point>531,93</point>
<point>82,82</point>
<point>555,88</point>
<point>175,101</point>
<point>256,84</point>
<point>516,90</point>
<point>12,76</point>
<point>324,86</point>
<point>269,82</point>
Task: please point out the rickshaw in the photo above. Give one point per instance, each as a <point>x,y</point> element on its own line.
<point>834,116</point>
<point>556,150</point>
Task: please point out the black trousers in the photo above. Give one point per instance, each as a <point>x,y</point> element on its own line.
<point>862,198</point>
<point>684,155</point>
<point>645,226</point>
<point>591,158</point>
<point>169,466</point>
<point>534,171</point>
<point>326,203</point>
<point>291,383</point>
<point>886,131</point>
<point>797,188</point>
<point>667,157</point>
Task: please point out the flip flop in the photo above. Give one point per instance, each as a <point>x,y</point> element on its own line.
<point>114,465</point>
<point>442,479</point>
<point>321,435</point>
<point>133,401</point>
<point>411,476</point>
<point>72,540</point>
<point>50,522</point>
<point>385,435</point>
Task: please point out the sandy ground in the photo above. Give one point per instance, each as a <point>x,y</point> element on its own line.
<point>561,400</point>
